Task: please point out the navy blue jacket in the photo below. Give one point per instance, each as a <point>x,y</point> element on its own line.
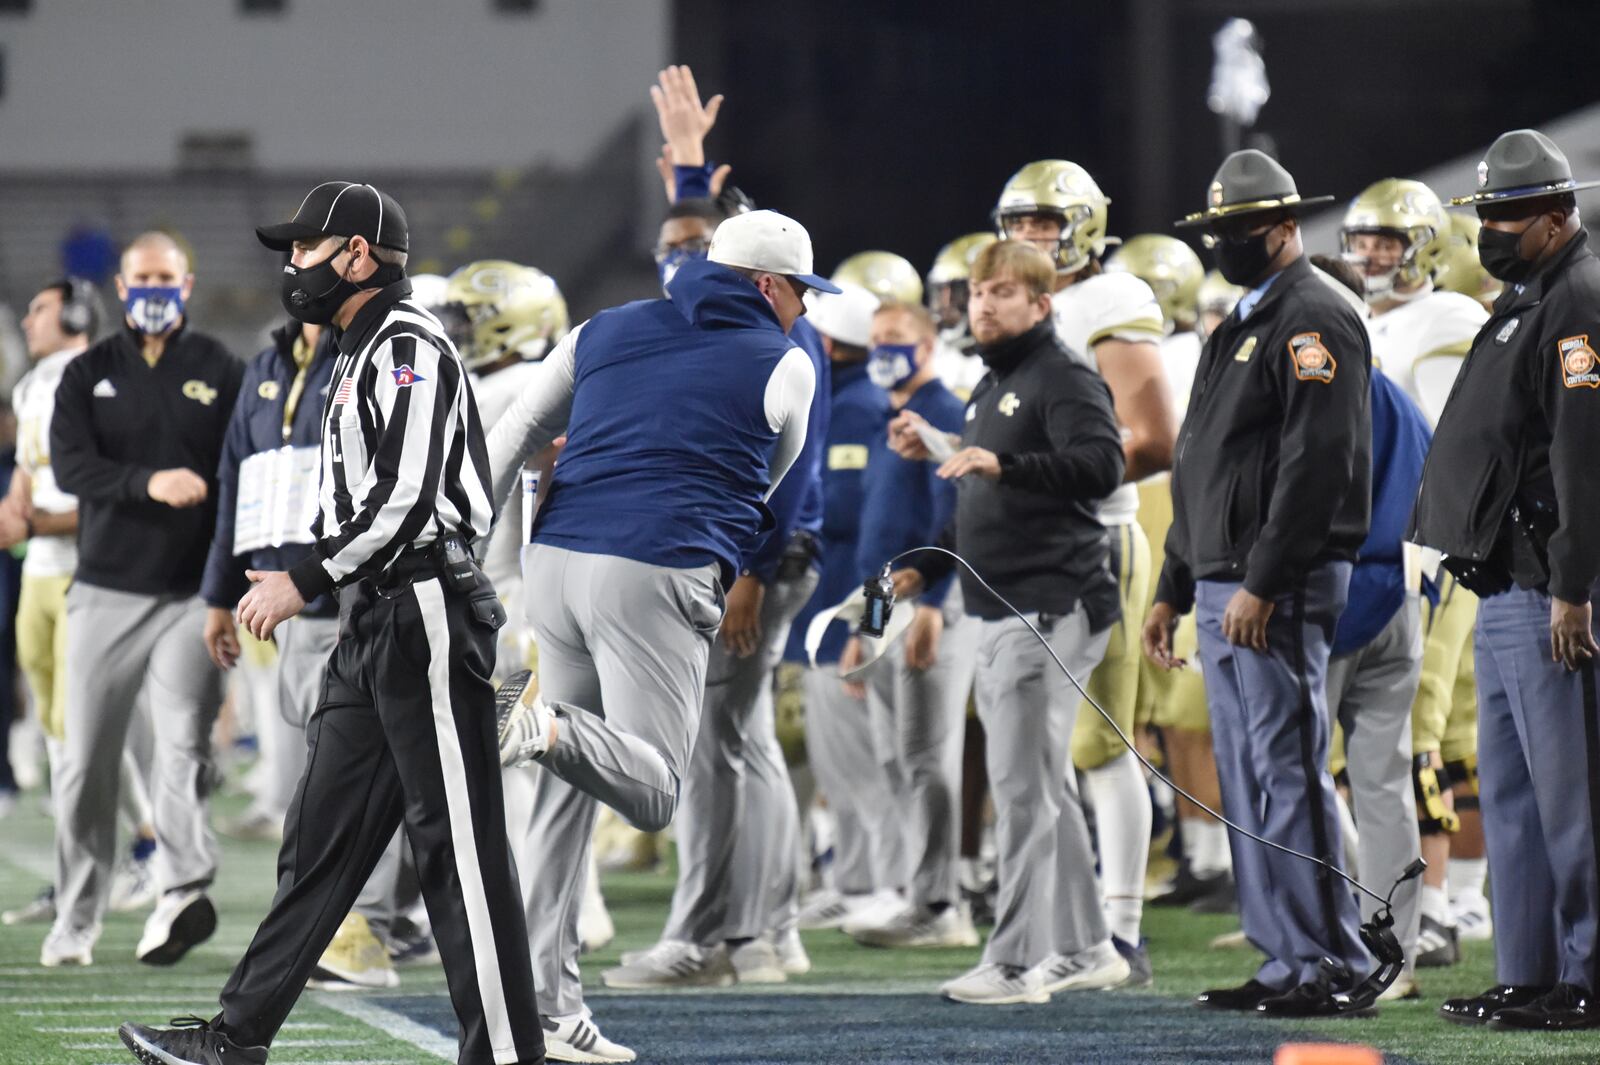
<point>668,446</point>
<point>858,417</point>
<point>797,504</point>
<point>1400,439</point>
<point>256,426</point>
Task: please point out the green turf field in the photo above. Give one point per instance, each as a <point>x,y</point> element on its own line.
<point>858,1005</point>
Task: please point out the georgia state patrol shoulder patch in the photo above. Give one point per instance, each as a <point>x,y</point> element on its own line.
<point>1577,362</point>
<point>1312,359</point>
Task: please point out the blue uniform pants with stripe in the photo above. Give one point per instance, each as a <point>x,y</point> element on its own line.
<point>1270,729</point>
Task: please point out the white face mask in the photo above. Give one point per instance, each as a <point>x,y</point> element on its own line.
<point>891,365</point>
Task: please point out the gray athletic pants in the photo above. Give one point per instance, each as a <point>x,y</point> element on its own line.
<point>919,730</point>
<point>116,643</point>
<point>737,811</point>
<point>868,845</point>
<point>623,647</point>
<point>1370,693</point>
<point>1049,901</point>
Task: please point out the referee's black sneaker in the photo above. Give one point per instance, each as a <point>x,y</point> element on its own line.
<point>1566,1008</point>
<point>190,1041</point>
<point>1479,1008</point>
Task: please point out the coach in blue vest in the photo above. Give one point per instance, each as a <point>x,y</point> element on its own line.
<point>681,416</point>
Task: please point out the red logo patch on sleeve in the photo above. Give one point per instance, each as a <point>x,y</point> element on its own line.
<point>405,376</point>
<point>1577,362</point>
<point>1312,359</point>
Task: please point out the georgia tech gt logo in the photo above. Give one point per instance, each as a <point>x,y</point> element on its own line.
<point>267,390</point>
<point>1312,361</point>
<point>199,391</point>
<point>1577,362</point>
<point>1008,404</point>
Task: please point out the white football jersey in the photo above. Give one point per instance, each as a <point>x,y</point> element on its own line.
<point>1180,355</point>
<point>502,562</point>
<point>34,400</point>
<point>960,373</point>
<point>1103,307</point>
<point>1420,345</point>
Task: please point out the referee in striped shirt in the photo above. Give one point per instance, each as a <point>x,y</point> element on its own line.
<point>405,726</point>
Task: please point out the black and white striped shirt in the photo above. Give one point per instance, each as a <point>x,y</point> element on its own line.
<point>403,454</point>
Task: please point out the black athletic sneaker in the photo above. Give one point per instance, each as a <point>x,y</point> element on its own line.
<point>190,1041</point>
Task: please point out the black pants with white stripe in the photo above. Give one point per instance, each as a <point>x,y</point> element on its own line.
<point>404,730</point>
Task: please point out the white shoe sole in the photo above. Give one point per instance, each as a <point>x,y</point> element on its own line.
<point>663,982</point>
<point>888,941</point>
<point>67,960</point>
<point>1030,997</point>
<point>354,982</point>
<point>764,975</point>
<point>555,1050</point>
<point>1102,979</point>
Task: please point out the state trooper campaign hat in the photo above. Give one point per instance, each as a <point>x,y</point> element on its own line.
<point>346,209</point>
<point>1521,165</point>
<point>1250,181</point>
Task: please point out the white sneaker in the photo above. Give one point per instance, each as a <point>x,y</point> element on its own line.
<point>355,959</point>
<point>1471,911</point>
<point>524,720</point>
<point>577,1039</point>
<point>68,946</point>
<point>756,962</point>
<point>1403,989</point>
<point>672,963</point>
<point>913,927</point>
<point>133,885</point>
<point>830,909</point>
<point>1231,941</point>
<point>595,927</point>
<point>1093,969</point>
<point>182,921</point>
<point>792,956</point>
<point>41,909</point>
<point>881,908</point>
<point>994,985</point>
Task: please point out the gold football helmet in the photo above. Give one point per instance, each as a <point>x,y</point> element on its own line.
<point>1458,268</point>
<point>884,274</point>
<point>1215,299</point>
<point>947,280</point>
<point>1407,210</point>
<point>493,307</point>
<point>1171,269</point>
<point>1066,191</point>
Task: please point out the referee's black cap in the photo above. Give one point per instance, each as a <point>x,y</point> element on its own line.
<point>346,209</point>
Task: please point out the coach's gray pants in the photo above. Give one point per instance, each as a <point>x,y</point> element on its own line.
<point>304,645</point>
<point>116,643</point>
<point>1370,693</point>
<point>1538,774</point>
<point>622,659</point>
<point>737,815</point>
<point>919,731</point>
<point>868,843</point>
<point>1049,901</point>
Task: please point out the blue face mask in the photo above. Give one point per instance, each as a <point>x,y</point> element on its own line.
<point>668,261</point>
<point>891,365</point>
<point>155,309</point>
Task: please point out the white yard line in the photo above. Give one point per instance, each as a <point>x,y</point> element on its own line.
<point>277,1044</point>
<point>391,1024</point>
<point>97,1029</point>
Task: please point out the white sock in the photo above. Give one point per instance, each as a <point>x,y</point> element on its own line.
<point>1436,904</point>
<point>1122,821</point>
<point>1347,830</point>
<point>1466,875</point>
<point>1206,842</point>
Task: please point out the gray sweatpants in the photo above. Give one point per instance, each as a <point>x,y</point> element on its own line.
<point>868,847</point>
<point>623,647</point>
<point>1049,901</point>
<point>737,808</point>
<point>919,719</point>
<point>116,643</point>
<point>1370,692</point>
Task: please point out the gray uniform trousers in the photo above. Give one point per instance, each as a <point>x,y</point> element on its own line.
<point>924,714</point>
<point>737,808</point>
<point>118,642</point>
<point>1538,779</point>
<point>1269,727</point>
<point>1049,902</point>
<point>304,646</point>
<point>1370,694</point>
<point>623,647</point>
<point>868,846</point>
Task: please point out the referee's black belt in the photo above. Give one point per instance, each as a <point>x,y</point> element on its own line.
<point>418,562</point>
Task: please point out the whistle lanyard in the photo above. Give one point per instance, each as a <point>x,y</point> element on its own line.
<point>302,360</point>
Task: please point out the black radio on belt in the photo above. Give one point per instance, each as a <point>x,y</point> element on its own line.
<point>879,591</point>
<point>455,563</point>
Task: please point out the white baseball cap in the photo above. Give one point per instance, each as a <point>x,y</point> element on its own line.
<point>845,316</point>
<point>769,242</point>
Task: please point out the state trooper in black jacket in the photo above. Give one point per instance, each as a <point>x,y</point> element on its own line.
<point>1511,494</point>
<point>1271,492</point>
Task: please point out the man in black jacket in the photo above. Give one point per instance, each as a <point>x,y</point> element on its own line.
<point>1042,449</point>
<point>1511,494</point>
<point>136,434</point>
<point>1270,493</point>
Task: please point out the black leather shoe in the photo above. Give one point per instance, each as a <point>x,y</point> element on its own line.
<point>1244,997</point>
<point>1186,888</point>
<point>1311,1000</point>
<point>1567,1007</point>
<point>1479,1009</point>
<point>1223,897</point>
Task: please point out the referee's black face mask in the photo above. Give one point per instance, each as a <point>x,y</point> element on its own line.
<point>314,294</point>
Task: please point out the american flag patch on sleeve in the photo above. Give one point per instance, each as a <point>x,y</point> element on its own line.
<point>345,391</point>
